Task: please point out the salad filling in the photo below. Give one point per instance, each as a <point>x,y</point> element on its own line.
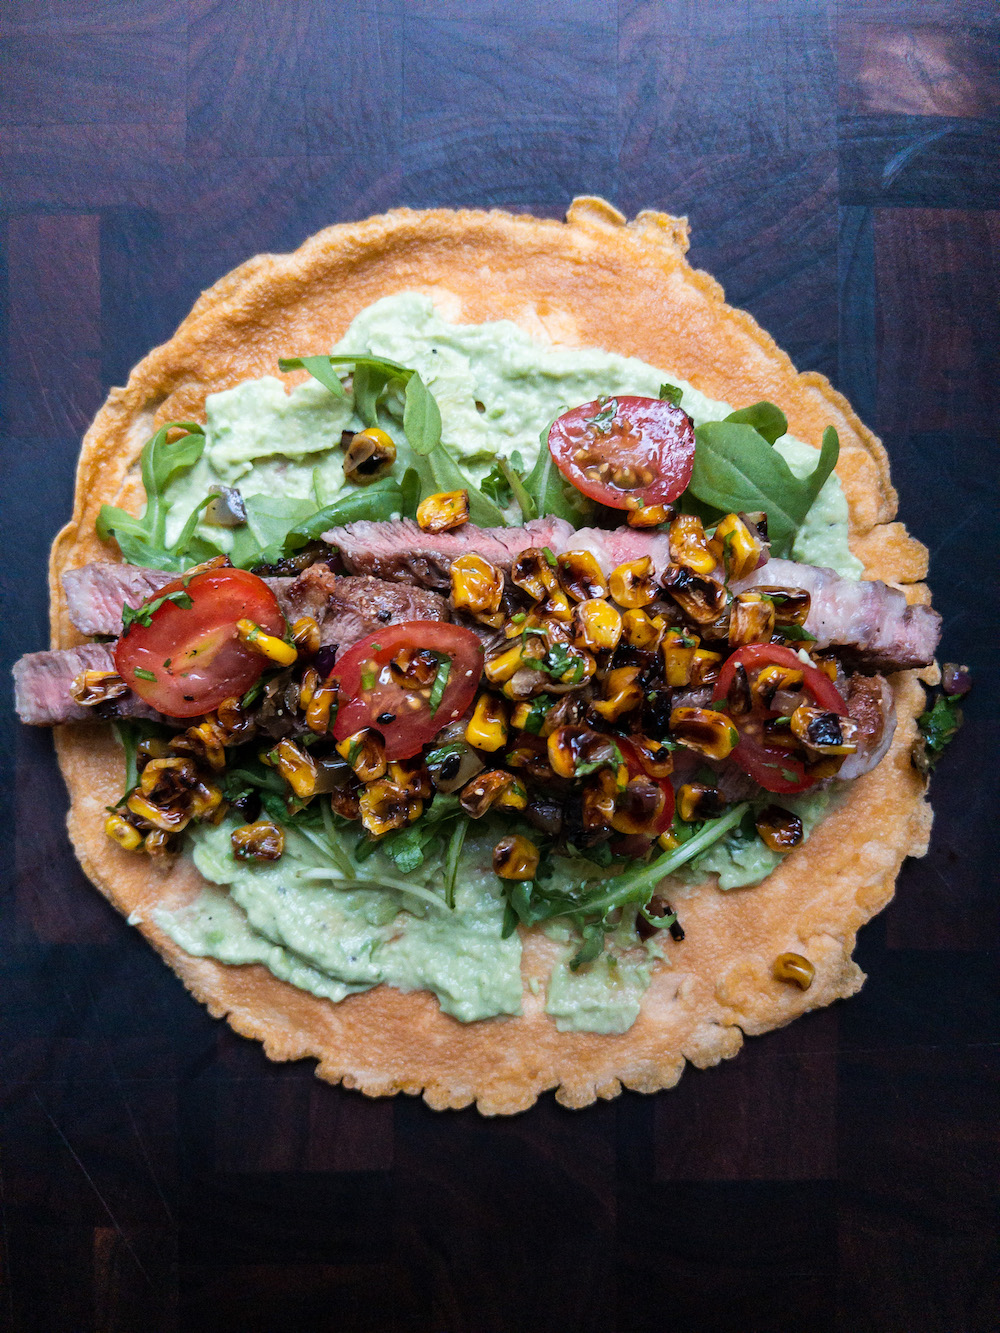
<point>469,634</point>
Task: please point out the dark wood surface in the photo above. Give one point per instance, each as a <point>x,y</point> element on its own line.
<point>839,165</point>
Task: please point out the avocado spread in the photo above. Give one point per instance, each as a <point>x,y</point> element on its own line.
<point>309,922</point>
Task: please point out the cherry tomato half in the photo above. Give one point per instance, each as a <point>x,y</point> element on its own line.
<point>387,682</point>
<point>189,658</point>
<point>770,766</point>
<point>619,450</point>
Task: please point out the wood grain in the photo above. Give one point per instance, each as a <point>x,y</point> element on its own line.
<point>838,163</point>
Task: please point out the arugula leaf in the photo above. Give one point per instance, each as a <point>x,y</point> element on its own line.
<point>438,471</point>
<point>591,946</point>
<point>455,844</point>
<point>735,468</point>
<point>141,540</point>
<point>129,734</point>
<point>939,724</point>
<point>421,416</point>
<point>549,490</point>
<point>143,615</point>
<point>671,394</point>
<point>766,419</point>
<point>409,489</point>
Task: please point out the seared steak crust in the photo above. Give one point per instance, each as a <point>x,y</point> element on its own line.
<point>875,623</point>
<point>348,608</point>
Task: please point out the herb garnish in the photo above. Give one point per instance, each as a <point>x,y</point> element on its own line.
<point>440,682</point>
<point>938,726</point>
<point>604,420</point>
<point>671,394</point>
<point>143,615</point>
<point>143,674</point>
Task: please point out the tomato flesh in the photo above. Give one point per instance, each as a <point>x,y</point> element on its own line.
<point>189,657</point>
<point>625,450</point>
<point>371,695</point>
<point>770,766</point>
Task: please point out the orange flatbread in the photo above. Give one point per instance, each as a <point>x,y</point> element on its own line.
<point>591,281</point>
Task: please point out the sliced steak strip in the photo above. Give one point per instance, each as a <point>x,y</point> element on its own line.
<point>874,624</point>
<point>42,681</point>
<point>401,551</point>
<point>871,705</point>
<point>348,608</point>
<point>95,594</point>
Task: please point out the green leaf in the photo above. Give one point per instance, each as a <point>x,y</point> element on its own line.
<point>409,489</point>
<point>591,947</point>
<point>319,367</point>
<point>143,615</point>
<point>603,420</point>
<point>550,491</point>
<point>455,844</point>
<point>940,723</point>
<point>671,394</point>
<point>368,385</point>
<point>764,417</point>
<point>736,469</point>
<point>141,539</point>
<point>421,417</point>
<point>438,471</point>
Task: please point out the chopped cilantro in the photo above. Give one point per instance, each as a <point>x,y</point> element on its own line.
<point>143,615</point>
<point>603,420</point>
<point>143,674</point>
<point>671,394</point>
<point>939,724</point>
<point>440,682</point>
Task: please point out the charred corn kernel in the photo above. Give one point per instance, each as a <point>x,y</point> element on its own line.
<point>632,583</point>
<point>794,968</point>
<point>558,608</point>
<point>678,651</point>
<point>500,668</point>
<point>151,747</point>
<point>779,829</point>
<point>668,841</point>
<point>384,806</point>
<point>158,843</point>
<point>791,605</point>
<point>533,573</point>
<point>648,516</point>
<point>751,620</point>
<point>740,546</point>
<point>305,635</point>
<point>307,686</point>
<point>443,511</point>
<point>123,833</point>
<point>167,777</point>
<point>208,741</point>
<point>487,727</point>
<point>772,678</point>
<point>657,760</point>
<point>622,694</point>
<point>581,576</point>
<point>297,767</point>
<point>260,841</point>
<point>365,753</point>
<point>701,597</point>
<point>476,585</point>
<point>515,857</point>
<point>205,801</point>
<point>640,630</point>
<point>97,687</point>
<point>411,776</point>
<point>574,750</point>
<point>233,722</point>
<point>597,625</point>
<point>486,790</point>
<point>513,797</point>
<point>705,731</point>
<point>370,456</point>
<point>597,807</point>
<point>828,666</point>
<point>320,708</point>
<point>169,819</point>
<point>705,667</point>
<point>823,730</point>
<point>639,806</point>
<point>689,545</point>
<point>268,645</point>
<point>413,667</point>
<point>697,801</point>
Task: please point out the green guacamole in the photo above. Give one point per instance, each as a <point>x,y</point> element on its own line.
<point>497,388</point>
